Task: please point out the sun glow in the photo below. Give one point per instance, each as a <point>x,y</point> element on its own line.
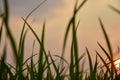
<point>117,64</point>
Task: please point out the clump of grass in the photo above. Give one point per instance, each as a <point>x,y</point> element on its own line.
<point>47,67</point>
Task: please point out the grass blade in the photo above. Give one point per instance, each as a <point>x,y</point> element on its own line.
<point>8,31</point>
<point>114,9</point>
<point>40,65</point>
<point>58,76</point>
<point>106,53</point>
<point>106,38</point>
<point>1,30</point>
<point>90,61</point>
<point>104,62</point>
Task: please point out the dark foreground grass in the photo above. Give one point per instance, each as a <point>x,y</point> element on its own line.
<point>47,68</point>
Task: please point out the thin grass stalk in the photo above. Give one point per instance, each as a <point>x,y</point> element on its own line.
<point>22,32</point>
<point>110,50</point>
<point>114,9</point>
<point>90,65</point>
<point>72,76</point>
<point>39,41</point>
<point>75,46</point>
<point>41,52</point>
<point>21,57</point>
<point>1,29</point>
<point>8,31</point>
<point>69,25</point>
<point>58,75</point>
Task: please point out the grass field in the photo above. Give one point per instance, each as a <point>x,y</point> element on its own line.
<point>48,68</point>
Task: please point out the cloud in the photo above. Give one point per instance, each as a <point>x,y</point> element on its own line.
<point>23,7</point>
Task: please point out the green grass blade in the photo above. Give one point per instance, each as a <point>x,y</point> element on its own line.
<point>106,53</point>
<point>22,32</point>
<point>62,59</point>
<point>4,68</point>
<point>80,6</point>
<point>1,30</point>
<point>72,72</point>
<point>70,22</point>
<point>40,65</point>
<point>95,68</point>
<point>106,38</point>
<point>21,51</point>
<point>104,62</point>
<point>114,9</point>
<point>66,35</point>
<point>34,34</point>
<point>58,76</point>
<point>6,22</point>
<point>79,59</point>
<point>48,64</point>
<point>109,48</point>
<point>90,64</point>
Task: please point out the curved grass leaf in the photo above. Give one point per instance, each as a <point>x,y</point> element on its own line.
<point>8,31</point>
<point>106,53</point>
<point>70,22</point>
<point>106,37</point>
<point>58,76</point>
<point>90,61</point>
<point>41,52</point>
<point>104,62</point>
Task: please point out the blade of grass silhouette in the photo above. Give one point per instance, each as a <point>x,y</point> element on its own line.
<point>62,59</point>
<point>74,41</point>
<point>22,32</point>
<point>72,76</point>
<point>4,69</point>
<point>69,24</point>
<point>114,9</point>
<point>75,49</point>
<point>106,53</point>
<point>56,69</point>
<point>80,6</point>
<point>27,19</point>
<point>21,58</point>
<point>1,29</point>
<point>34,35</point>
<point>104,62</point>
<point>21,53</point>
<point>95,67</point>
<point>106,38</point>
<point>109,48</point>
<point>32,69</point>
<point>90,61</point>
<point>109,57</point>
<point>41,52</point>
<point>48,64</point>
<point>29,58</point>
<point>79,59</point>
<point>9,34</point>
<point>90,65</point>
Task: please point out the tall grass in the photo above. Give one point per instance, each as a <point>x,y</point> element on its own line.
<point>47,67</point>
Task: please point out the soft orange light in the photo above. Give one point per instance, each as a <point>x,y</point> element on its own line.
<point>117,64</point>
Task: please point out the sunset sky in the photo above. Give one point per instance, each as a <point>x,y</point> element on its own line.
<point>57,13</point>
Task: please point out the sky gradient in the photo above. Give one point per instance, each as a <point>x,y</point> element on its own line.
<point>57,13</point>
